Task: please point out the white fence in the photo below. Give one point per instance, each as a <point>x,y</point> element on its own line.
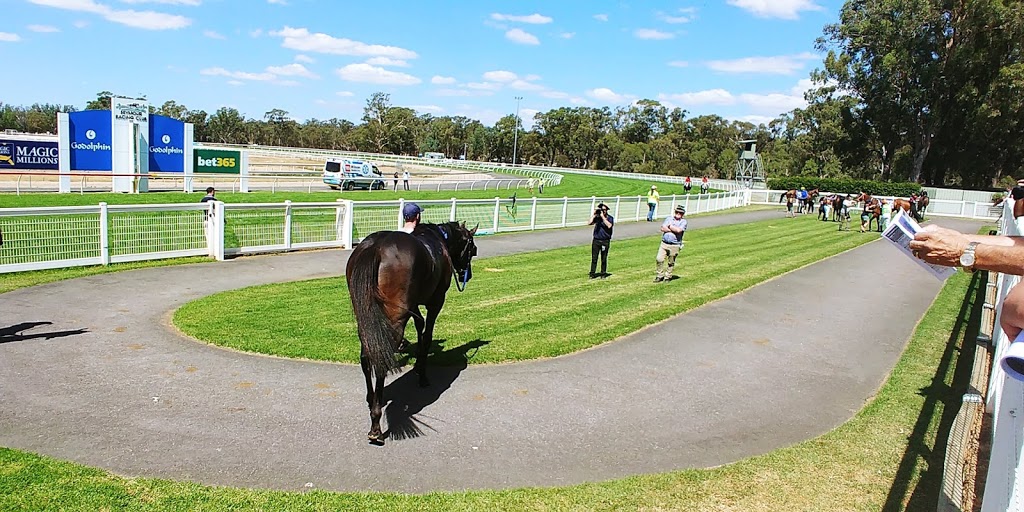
<point>1004,489</point>
<point>57,237</point>
<point>937,207</point>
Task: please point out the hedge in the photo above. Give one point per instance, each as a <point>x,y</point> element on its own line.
<point>847,186</point>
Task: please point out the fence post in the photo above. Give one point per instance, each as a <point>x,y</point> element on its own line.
<point>593,203</point>
<point>533,214</point>
<point>401,206</point>
<point>451,217</point>
<point>639,199</point>
<point>217,215</point>
<point>287,225</point>
<point>565,208</point>
<point>618,199</point>
<point>104,235</point>
<point>497,211</point>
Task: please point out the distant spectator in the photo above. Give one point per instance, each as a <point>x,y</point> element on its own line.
<point>530,183</point>
<point>405,179</point>
<point>603,223</point>
<point>396,180</point>
<point>652,202</point>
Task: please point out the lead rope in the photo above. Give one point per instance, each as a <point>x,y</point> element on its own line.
<point>464,274</point>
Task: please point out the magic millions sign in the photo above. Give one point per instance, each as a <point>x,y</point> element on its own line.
<point>28,155</point>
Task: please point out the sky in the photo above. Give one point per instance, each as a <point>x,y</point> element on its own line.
<point>740,59</point>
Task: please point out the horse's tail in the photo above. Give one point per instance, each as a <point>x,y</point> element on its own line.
<point>377,335</point>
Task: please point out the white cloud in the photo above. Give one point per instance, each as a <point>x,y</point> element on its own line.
<point>774,102</point>
<point>785,9</point>
<point>685,15</point>
<point>679,64</point>
<point>192,3</point>
<point>292,70</point>
<point>387,61</point>
<point>650,33</point>
<point>463,92</point>
<point>345,94</point>
<point>526,115</point>
<point>523,85</point>
<point>148,20</point>
<point>427,108</point>
<point>802,86</point>
<point>213,35</point>
<point>304,58</point>
<point>756,119</point>
<point>500,76</point>
<point>9,37</point>
<point>374,75</point>
<point>708,97</point>
<point>302,40</point>
<point>601,17</point>
<point>238,75</point>
<point>534,19</point>
<point>484,86</point>
<point>442,80</point>
<point>521,36</point>
<point>43,28</point>
<point>81,24</point>
<point>777,65</point>
<point>609,96</point>
<point>567,35</point>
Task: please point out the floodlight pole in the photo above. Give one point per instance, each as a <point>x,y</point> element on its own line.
<point>515,138</point>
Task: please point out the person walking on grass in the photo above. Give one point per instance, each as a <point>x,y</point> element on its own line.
<point>652,202</point>
<point>603,223</point>
<point>672,231</point>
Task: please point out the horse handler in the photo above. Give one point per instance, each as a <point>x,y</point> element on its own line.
<point>671,241</point>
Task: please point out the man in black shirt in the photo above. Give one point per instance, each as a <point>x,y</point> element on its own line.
<point>602,223</point>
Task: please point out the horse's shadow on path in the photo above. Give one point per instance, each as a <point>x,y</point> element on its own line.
<point>406,399</point>
<point>15,332</point>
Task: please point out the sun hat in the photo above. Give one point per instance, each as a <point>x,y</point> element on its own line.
<point>654,187</point>
<point>680,209</point>
<point>410,210</point>
<point>602,206</point>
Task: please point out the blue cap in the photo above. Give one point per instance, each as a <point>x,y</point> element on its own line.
<point>410,210</point>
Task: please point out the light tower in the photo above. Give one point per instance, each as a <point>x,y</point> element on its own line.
<point>515,137</point>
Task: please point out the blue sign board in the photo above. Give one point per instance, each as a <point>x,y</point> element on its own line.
<point>90,136</point>
<point>28,155</point>
<point>166,144</point>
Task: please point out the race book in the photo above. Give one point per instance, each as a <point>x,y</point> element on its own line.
<point>900,232</point>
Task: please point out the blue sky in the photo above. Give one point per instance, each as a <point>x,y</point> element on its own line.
<point>741,59</point>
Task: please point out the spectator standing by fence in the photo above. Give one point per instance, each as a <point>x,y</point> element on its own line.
<point>672,231</point>
<point>405,179</point>
<point>603,223</point>
<point>652,202</point>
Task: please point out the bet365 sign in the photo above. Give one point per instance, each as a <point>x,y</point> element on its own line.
<point>218,161</point>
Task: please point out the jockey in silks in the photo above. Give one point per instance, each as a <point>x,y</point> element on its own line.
<point>801,196</point>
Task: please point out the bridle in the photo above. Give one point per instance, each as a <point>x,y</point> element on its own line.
<point>461,275</point>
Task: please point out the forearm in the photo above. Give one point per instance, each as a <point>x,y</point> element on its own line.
<point>997,240</point>
<point>1008,259</point>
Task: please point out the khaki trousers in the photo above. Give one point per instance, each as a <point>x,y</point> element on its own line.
<point>667,259</point>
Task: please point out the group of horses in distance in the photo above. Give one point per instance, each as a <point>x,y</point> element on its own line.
<point>390,274</point>
<point>840,204</point>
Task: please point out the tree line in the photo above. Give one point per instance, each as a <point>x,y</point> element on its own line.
<point>926,91</point>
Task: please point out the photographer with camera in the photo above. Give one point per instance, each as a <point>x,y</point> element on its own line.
<point>602,223</point>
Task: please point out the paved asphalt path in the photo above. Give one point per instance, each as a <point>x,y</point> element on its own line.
<point>92,371</point>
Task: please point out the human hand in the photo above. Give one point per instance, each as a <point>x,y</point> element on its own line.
<point>1011,319</point>
<point>939,246</point>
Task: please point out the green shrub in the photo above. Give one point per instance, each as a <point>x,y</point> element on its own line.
<point>846,186</point>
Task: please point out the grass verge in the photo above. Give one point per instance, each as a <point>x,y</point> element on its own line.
<point>526,305</point>
<point>888,457</point>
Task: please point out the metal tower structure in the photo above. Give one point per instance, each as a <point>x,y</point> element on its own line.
<point>749,170</point>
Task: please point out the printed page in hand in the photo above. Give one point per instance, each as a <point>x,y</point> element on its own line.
<point>900,232</point>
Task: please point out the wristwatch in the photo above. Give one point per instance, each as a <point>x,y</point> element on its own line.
<point>967,258</point>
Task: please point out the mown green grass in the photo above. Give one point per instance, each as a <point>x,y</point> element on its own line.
<point>573,185</point>
<point>526,305</point>
<point>888,457</point>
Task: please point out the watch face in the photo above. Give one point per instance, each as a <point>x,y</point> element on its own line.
<point>967,259</point>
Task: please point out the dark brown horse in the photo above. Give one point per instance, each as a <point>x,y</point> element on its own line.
<point>905,205</point>
<point>807,204</point>
<point>390,275</point>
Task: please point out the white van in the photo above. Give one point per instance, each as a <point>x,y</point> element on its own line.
<point>349,174</point>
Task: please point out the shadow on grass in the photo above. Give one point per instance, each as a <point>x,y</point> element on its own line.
<point>406,399</point>
<point>938,394</point>
<point>16,332</point>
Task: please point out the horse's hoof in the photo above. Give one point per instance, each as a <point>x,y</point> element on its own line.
<point>375,438</point>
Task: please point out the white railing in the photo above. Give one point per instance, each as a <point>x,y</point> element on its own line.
<point>41,238</point>
<point>936,207</point>
<point>1004,489</point>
